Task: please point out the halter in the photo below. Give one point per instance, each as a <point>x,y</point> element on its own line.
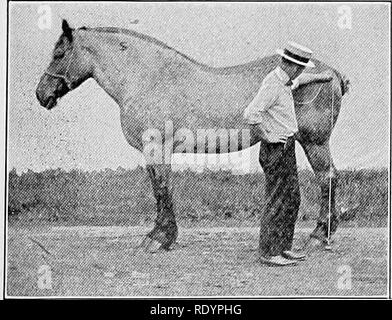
<point>64,76</point>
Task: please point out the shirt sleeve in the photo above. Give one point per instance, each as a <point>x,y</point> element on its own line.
<point>265,98</point>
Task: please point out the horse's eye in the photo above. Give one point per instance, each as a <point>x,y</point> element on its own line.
<point>58,55</point>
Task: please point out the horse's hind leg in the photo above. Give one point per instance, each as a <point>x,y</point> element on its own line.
<point>321,161</point>
<point>165,230</point>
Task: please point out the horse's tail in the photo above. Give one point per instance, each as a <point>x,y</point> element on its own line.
<point>345,84</point>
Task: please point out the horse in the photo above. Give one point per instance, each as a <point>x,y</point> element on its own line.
<point>154,84</point>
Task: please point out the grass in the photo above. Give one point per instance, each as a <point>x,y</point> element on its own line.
<point>124,197</point>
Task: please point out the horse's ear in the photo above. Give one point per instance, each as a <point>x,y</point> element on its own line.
<point>67,30</point>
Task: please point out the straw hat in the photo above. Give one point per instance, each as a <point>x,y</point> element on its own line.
<point>297,54</point>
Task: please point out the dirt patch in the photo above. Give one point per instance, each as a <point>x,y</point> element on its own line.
<point>101,261</point>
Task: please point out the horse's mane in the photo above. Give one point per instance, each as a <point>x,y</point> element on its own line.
<point>145,38</point>
<point>230,69</point>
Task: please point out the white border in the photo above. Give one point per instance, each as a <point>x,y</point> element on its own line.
<point>3,34</point>
<point>3,64</point>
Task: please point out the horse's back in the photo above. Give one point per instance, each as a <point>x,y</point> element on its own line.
<point>257,69</point>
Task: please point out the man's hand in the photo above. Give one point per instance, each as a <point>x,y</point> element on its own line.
<point>283,139</point>
<point>321,77</point>
<point>326,76</point>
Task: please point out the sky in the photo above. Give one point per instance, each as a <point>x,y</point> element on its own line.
<point>84,131</point>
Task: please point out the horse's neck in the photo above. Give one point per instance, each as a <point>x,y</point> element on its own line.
<point>124,66</point>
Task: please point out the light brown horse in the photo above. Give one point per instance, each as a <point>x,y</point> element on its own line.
<point>154,85</point>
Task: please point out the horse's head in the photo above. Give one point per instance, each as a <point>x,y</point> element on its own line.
<point>67,70</point>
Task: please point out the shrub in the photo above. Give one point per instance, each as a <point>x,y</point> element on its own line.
<point>125,196</point>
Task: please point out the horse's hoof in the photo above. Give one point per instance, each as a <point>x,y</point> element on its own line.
<point>153,247</point>
<point>150,245</point>
<point>176,246</point>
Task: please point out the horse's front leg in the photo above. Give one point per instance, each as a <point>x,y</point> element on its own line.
<point>165,231</point>
<point>321,161</point>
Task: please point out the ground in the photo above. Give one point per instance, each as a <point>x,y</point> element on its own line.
<point>214,261</point>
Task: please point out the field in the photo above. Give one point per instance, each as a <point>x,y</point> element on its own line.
<point>81,230</point>
<point>101,261</point>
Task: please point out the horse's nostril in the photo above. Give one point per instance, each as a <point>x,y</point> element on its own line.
<point>50,103</point>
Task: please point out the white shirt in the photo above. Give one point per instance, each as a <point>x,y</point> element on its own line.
<point>273,107</point>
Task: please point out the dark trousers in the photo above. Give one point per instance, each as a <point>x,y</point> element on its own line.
<point>282,196</point>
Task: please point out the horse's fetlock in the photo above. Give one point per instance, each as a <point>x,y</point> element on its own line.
<point>164,232</point>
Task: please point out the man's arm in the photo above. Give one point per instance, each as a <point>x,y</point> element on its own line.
<point>263,100</point>
<point>305,78</point>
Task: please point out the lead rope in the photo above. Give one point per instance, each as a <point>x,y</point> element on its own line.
<point>330,178</point>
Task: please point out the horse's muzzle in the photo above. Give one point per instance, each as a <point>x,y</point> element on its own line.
<point>48,102</point>
<point>49,90</point>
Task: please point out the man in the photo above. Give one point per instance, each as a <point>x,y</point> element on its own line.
<point>272,119</point>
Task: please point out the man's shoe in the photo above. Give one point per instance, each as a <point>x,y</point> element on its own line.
<point>288,254</point>
<point>277,261</point>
